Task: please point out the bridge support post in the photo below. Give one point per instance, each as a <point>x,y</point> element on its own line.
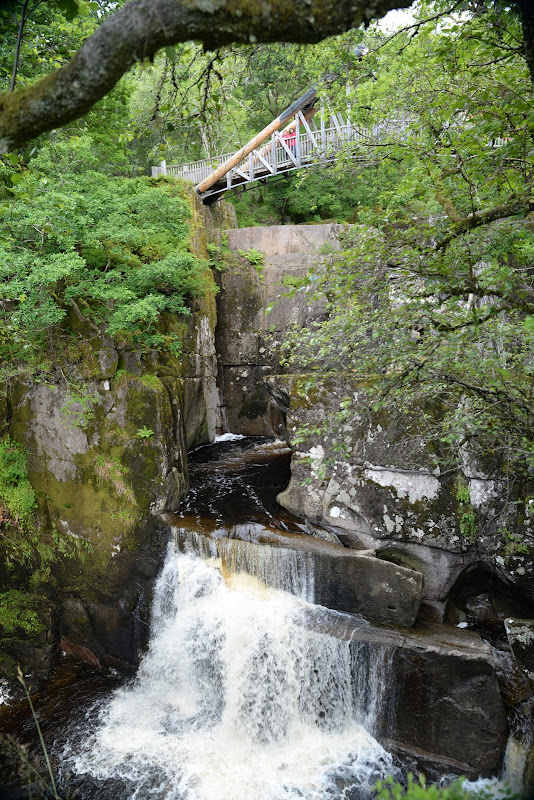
<point>323,134</point>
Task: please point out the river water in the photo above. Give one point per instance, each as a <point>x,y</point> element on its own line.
<point>242,694</point>
<point>238,697</point>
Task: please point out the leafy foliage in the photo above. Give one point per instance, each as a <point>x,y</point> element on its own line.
<point>255,258</point>
<point>428,302</point>
<point>418,789</point>
<point>16,493</point>
<point>82,253</point>
<point>18,610</point>
<point>145,433</point>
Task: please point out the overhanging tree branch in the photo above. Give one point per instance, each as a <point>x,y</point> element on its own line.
<point>511,209</point>
<point>142,27</point>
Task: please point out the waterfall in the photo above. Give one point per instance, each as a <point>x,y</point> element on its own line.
<point>288,570</point>
<point>238,696</point>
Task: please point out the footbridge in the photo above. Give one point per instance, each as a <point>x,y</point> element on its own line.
<point>291,141</point>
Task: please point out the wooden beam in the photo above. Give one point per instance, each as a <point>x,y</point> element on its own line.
<point>274,126</point>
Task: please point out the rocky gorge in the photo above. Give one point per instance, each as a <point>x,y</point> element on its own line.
<point>381,534</point>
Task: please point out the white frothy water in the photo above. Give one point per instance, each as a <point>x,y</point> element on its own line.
<point>512,781</point>
<point>288,570</point>
<point>238,699</point>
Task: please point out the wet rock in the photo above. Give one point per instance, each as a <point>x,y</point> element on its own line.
<point>520,634</point>
<point>442,692</point>
<point>115,629</point>
<point>79,652</point>
<point>75,624</point>
<point>516,686</point>
<point>365,585</point>
<point>337,578</point>
<point>433,766</point>
<point>441,699</point>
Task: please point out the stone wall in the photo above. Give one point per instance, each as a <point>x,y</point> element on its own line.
<point>253,314</point>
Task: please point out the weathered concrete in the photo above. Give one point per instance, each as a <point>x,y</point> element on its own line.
<point>253,313</point>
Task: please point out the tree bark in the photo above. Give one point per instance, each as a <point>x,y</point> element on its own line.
<point>142,27</point>
<point>526,9</point>
<point>484,217</point>
<point>17,46</point>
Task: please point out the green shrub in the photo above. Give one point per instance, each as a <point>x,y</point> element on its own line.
<point>18,611</point>
<point>84,253</point>
<point>16,493</point>
<point>418,789</point>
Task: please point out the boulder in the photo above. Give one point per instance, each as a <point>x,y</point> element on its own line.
<point>520,634</point>
<point>440,695</point>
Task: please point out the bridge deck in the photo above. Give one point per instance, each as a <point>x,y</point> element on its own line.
<point>274,157</point>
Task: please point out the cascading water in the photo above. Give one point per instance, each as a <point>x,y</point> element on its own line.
<point>288,570</point>
<point>238,698</point>
<point>240,695</point>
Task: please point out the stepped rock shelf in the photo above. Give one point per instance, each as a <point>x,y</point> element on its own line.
<point>439,680</point>
<point>332,575</point>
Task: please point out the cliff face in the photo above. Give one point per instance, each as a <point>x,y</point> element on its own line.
<point>104,466</point>
<point>373,485</point>
<point>104,463</point>
<point>384,492</point>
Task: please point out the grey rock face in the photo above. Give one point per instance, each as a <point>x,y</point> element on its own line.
<point>386,493</point>
<point>520,634</point>
<point>441,695</point>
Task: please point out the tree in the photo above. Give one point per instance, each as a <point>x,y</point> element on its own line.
<point>142,27</point>
<point>432,298</point>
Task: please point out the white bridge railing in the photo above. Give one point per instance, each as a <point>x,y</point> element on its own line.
<point>311,145</point>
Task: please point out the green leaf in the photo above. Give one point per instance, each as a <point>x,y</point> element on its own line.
<point>70,8</point>
<point>170,52</point>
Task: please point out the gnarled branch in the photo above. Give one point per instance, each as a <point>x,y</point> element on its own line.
<point>142,27</point>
